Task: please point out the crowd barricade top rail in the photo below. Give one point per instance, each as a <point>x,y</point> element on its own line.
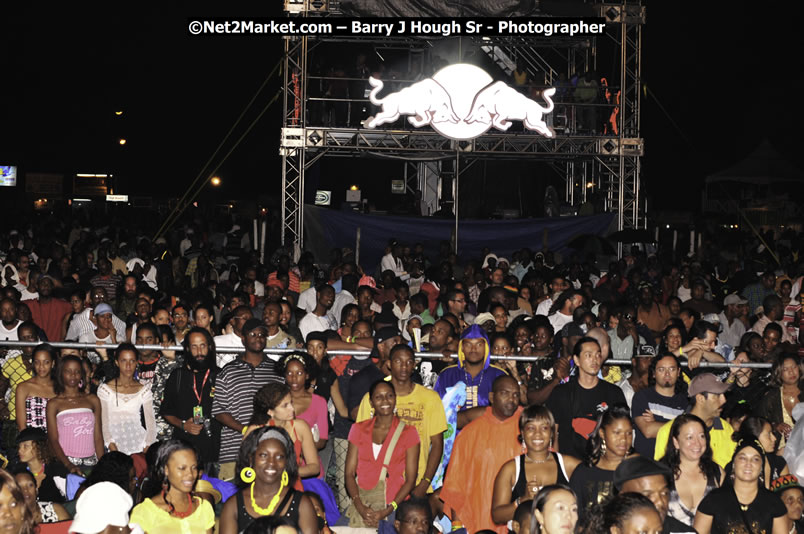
<point>362,352</point>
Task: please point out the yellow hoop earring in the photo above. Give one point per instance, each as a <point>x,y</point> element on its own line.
<point>285,478</point>
<point>247,475</point>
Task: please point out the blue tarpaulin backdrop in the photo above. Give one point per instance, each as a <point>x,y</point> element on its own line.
<point>325,229</point>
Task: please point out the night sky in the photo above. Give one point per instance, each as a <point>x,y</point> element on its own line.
<point>727,78</point>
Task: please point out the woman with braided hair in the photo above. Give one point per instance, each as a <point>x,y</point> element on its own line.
<point>174,508</point>
<point>267,468</point>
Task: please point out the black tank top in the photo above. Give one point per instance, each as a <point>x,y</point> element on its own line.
<point>292,513</point>
<point>520,488</point>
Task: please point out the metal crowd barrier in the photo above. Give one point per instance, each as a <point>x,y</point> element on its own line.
<point>362,352</point>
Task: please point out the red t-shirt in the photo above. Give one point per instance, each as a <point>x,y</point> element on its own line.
<point>49,316</point>
<point>368,468</point>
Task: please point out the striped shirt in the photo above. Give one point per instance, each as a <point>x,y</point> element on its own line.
<point>80,324</point>
<point>235,388</point>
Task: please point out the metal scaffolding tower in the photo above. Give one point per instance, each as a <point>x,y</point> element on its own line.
<point>607,163</point>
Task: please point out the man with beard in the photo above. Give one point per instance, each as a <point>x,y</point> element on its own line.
<point>128,298</point>
<point>663,400</point>
<point>187,404</point>
<point>469,483</point>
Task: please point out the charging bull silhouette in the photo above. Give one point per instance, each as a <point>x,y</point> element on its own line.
<point>426,101</point>
<point>497,104</point>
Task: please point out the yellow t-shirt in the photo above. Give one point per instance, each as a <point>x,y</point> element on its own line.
<point>17,373</point>
<point>719,440</point>
<point>422,409</point>
<point>154,520</point>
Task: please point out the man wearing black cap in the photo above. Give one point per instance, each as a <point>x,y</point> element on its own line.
<point>235,387</point>
<point>384,341</point>
<point>651,479</point>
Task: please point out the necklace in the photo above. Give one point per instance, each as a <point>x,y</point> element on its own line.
<point>274,500</point>
<point>176,513</point>
<point>547,459</point>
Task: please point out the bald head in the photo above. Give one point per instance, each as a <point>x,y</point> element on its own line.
<point>602,338</point>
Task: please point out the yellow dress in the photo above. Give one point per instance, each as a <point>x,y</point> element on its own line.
<point>154,520</point>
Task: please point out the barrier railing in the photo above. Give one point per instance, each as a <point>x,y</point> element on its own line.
<point>363,352</point>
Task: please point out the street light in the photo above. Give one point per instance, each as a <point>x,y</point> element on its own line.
<point>122,142</point>
<point>216,181</point>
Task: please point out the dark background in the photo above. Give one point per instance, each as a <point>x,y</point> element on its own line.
<point>727,77</point>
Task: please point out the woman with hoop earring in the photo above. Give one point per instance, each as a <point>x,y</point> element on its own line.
<point>267,468</point>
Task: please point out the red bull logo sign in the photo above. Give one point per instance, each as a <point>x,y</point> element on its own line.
<point>461,101</point>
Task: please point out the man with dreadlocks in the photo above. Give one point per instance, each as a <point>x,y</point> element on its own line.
<point>475,370</point>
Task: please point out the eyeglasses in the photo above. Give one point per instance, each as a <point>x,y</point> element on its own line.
<point>257,334</point>
<point>671,369</point>
<point>628,317</point>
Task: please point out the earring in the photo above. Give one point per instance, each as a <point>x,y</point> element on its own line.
<point>285,478</point>
<point>371,413</point>
<point>602,447</point>
<point>247,475</point>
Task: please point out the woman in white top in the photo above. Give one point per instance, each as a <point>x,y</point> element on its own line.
<point>123,400</point>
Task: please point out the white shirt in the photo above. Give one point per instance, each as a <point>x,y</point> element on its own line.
<point>389,263</point>
<point>149,277</point>
<point>227,340</point>
<point>544,307</point>
<point>730,334</point>
<point>558,320</point>
<point>307,299</point>
<point>313,323</point>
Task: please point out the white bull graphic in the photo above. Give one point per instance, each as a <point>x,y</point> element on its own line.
<point>426,101</point>
<point>498,104</point>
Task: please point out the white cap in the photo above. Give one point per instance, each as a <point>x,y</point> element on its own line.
<point>101,505</point>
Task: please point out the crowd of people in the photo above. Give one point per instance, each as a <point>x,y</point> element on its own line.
<point>299,399</point>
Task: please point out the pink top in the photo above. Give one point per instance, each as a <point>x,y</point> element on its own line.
<point>317,414</point>
<point>77,432</point>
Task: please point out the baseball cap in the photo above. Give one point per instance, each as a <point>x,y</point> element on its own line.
<point>385,333</point>
<point>706,383</point>
<point>252,324</point>
<point>103,308</point>
<point>734,298</point>
<point>101,505</point>
<point>638,467</point>
<point>483,317</point>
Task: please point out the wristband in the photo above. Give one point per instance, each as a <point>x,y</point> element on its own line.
<point>245,429</point>
<point>456,525</point>
<point>394,505</point>
<point>681,351</point>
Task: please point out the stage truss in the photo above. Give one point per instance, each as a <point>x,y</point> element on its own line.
<point>611,163</point>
